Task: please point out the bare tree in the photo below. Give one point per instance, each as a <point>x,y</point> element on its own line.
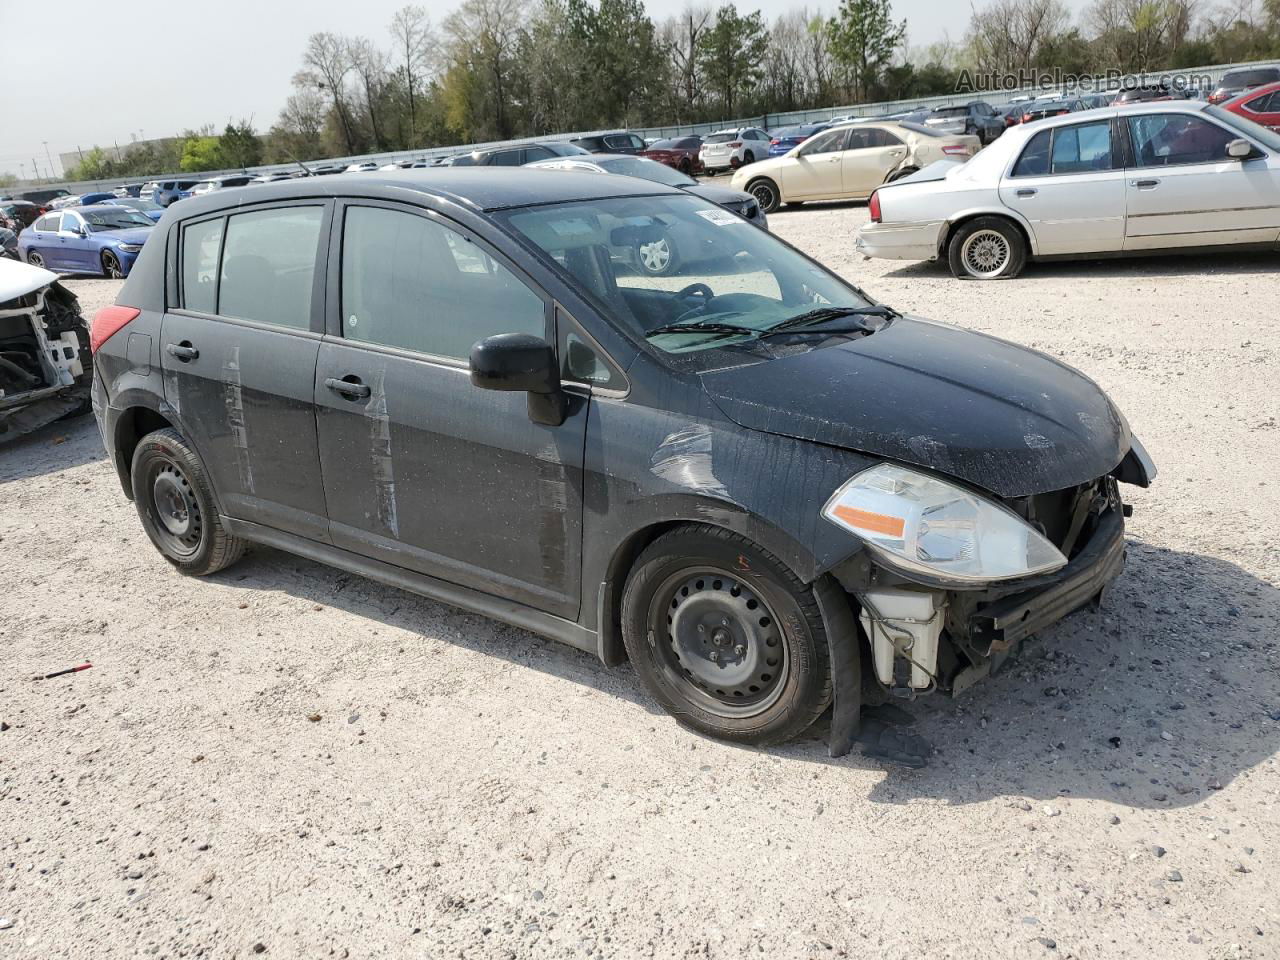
<point>370,64</point>
<point>415,51</point>
<point>1008,35</point>
<point>682,36</point>
<point>1139,35</point>
<point>326,64</point>
<point>785,75</point>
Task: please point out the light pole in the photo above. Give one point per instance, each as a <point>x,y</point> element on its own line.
<point>47,156</point>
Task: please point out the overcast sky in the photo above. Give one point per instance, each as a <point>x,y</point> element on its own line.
<point>102,74</point>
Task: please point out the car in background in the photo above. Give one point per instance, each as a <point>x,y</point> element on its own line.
<point>69,200</point>
<point>20,214</point>
<point>9,244</point>
<point>1261,105</point>
<point>849,162</point>
<point>1174,176</point>
<point>361,166</point>
<point>104,239</point>
<point>1146,94</point>
<point>730,149</point>
<point>168,191</point>
<point>221,183</point>
<point>1040,109</point>
<point>977,119</point>
<point>1236,82</point>
<point>1095,101</point>
<point>45,361</point>
<point>89,199</point>
<point>670,252</point>
<point>128,189</point>
<point>783,140</point>
<point>514,155</point>
<point>148,208</point>
<point>43,196</point>
<point>678,152</point>
<point>1012,114</point>
<point>617,142</point>
<point>275,176</point>
<point>148,190</point>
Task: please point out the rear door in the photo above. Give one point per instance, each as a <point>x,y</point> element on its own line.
<point>238,350</point>
<point>44,241</point>
<point>1183,190</point>
<point>422,469</point>
<point>1069,184</point>
<point>869,156</point>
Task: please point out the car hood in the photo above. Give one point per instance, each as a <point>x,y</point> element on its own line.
<point>131,235</point>
<point>723,196</point>
<point>1004,418</point>
<point>19,279</point>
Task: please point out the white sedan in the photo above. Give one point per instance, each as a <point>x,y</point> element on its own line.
<point>1147,177</point>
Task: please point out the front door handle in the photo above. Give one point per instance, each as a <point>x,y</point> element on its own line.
<point>184,351</point>
<point>350,387</point>
<point>1145,184</point>
<point>1028,192</point>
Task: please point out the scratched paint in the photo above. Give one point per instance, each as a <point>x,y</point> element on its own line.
<point>384,477</point>
<point>233,401</point>
<point>685,458</point>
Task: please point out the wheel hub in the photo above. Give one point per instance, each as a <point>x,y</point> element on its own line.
<point>176,509</point>
<point>986,253</point>
<point>655,255</point>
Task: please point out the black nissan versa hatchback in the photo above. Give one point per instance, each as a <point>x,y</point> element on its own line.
<point>769,492</point>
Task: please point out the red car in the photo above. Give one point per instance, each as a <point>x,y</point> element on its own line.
<point>681,153</point>
<point>1261,105</point>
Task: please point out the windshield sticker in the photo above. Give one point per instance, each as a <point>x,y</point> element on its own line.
<point>721,218</point>
<point>572,228</point>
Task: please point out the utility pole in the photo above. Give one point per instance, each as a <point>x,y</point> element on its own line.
<point>36,167</point>
<point>47,156</point>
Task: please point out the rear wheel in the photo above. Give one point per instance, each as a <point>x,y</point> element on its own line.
<point>899,174</point>
<point>111,266</point>
<point>987,248</point>
<point>766,194</point>
<point>725,637</point>
<point>748,158</point>
<point>175,503</point>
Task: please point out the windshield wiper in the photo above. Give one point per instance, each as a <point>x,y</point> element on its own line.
<point>822,314</point>
<point>722,329</point>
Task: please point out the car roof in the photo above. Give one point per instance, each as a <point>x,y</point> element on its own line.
<point>481,188</point>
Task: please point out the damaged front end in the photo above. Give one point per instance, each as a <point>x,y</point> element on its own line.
<point>45,364</point>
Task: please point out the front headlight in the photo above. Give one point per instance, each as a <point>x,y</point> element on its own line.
<point>925,525</point>
<point>131,247</point>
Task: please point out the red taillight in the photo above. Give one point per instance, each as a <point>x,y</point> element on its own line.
<point>1026,118</point>
<point>874,206</point>
<point>954,148</point>
<point>774,143</point>
<point>736,144</point>
<point>107,322</point>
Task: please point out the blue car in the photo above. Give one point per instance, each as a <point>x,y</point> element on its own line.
<point>784,140</point>
<point>104,240</point>
<point>148,208</point>
<point>89,199</point>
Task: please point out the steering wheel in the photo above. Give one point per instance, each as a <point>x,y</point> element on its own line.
<point>701,289</point>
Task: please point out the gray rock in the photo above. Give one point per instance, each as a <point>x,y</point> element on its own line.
<point>1047,942</point>
<point>538,894</point>
<point>1173,876</point>
<point>1114,820</point>
<point>134,874</point>
<point>1158,851</point>
<point>1240,868</point>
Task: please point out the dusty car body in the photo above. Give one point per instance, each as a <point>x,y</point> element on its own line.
<point>45,364</point>
<point>769,492</point>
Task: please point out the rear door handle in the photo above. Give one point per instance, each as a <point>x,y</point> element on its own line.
<point>184,351</point>
<point>1145,184</point>
<point>351,388</point>
<point>1027,192</point>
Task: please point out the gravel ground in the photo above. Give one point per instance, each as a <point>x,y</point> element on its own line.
<point>288,760</point>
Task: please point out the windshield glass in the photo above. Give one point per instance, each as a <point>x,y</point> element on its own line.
<point>950,111</point>
<point>664,145</point>
<point>1264,135</point>
<point>1246,78</point>
<point>720,138</point>
<point>122,219</point>
<point>647,170</point>
<point>653,262</point>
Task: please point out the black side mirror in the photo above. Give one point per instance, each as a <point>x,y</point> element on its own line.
<point>521,362</point>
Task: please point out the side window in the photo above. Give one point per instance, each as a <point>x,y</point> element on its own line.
<point>859,138</point>
<point>506,158</point>
<point>637,143</point>
<point>201,245</point>
<point>1166,139</point>
<point>1034,161</point>
<point>70,222</point>
<point>1082,149</point>
<point>830,142</point>
<point>882,138</point>
<point>583,363</point>
<point>49,224</point>
<point>268,266</point>
<point>537,153</point>
<point>409,282</point>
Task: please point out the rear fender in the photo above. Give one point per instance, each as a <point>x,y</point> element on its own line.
<point>991,210</point>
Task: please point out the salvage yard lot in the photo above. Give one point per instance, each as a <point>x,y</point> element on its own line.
<point>289,756</point>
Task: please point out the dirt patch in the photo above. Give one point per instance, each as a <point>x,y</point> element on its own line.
<point>288,756</point>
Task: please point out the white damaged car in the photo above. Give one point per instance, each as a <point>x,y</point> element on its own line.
<point>1149,177</point>
<point>45,364</point>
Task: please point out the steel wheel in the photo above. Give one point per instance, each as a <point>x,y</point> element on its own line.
<point>35,259</point>
<point>656,256</point>
<point>175,509</point>
<point>722,646</point>
<point>111,266</point>
<point>985,254</point>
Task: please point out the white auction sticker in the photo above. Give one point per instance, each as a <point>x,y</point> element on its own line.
<point>721,218</point>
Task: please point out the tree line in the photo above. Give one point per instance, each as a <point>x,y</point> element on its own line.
<point>498,69</point>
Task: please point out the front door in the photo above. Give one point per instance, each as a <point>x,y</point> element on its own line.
<point>74,247</point>
<point>1069,184</point>
<point>1183,190</point>
<point>238,351</point>
<point>422,469</point>
<point>814,173</point>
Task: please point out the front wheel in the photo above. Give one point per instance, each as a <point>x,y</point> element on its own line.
<point>725,637</point>
<point>175,504</point>
<point>766,194</point>
<point>35,259</point>
<point>111,266</point>
<point>987,248</point>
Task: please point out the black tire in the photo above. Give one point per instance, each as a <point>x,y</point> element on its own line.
<point>987,248</point>
<point>748,158</point>
<point>111,268</point>
<point>35,259</point>
<point>727,639</point>
<point>176,506</point>
<point>794,204</point>
<point>766,193</point>
<point>904,172</point>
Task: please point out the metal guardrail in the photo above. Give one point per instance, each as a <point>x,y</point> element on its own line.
<point>772,120</point>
